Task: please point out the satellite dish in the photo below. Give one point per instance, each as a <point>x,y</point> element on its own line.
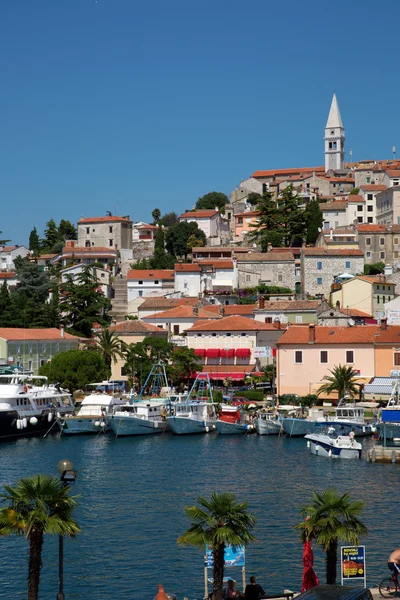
<point>351,322</point>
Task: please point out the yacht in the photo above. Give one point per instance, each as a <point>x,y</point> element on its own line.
<point>197,413</point>
<point>29,405</point>
<point>93,415</point>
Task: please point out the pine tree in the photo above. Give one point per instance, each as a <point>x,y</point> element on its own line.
<point>34,242</point>
<point>51,236</point>
<point>314,220</point>
<point>4,298</point>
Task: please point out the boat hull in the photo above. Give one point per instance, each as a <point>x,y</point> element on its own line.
<point>328,449</point>
<point>9,430</point>
<point>84,425</point>
<point>298,427</point>
<point>268,427</point>
<point>124,426</point>
<point>187,425</point>
<point>226,428</point>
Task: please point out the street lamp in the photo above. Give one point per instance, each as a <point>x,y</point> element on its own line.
<point>67,477</point>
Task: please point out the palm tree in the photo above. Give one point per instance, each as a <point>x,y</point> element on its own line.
<point>341,380</point>
<point>37,506</point>
<point>331,518</point>
<point>110,346</point>
<point>218,522</point>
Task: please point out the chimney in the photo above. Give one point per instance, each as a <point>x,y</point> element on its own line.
<point>221,311</point>
<point>261,302</point>
<point>277,324</point>
<point>311,333</point>
<point>337,305</point>
<point>383,323</point>
<point>195,311</point>
<point>62,331</point>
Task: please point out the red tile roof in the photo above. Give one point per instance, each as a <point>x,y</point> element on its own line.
<point>46,256</point>
<point>233,323</point>
<point>19,333</point>
<point>371,228</point>
<point>184,312</point>
<point>138,327</point>
<point>166,303</point>
<point>392,173</point>
<point>187,268</point>
<point>375,279</point>
<point>232,309</point>
<point>288,305</point>
<point>7,275</point>
<point>104,219</point>
<point>354,312</point>
<point>331,252</point>
<point>356,198</point>
<point>372,187</point>
<point>233,249</point>
<point>334,206</point>
<point>277,256</point>
<point>328,335</point>
<point>217,263</point>
<point>199,214</point>
<point>278,172</point>
<point>251,213</point>
<point>8,248</point>
<point>151,274</point>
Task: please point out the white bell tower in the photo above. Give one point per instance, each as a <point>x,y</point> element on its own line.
<point>334,139</point>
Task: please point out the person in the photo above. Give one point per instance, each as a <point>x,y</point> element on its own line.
<point>253,590</point>
<point>231,591</point>
<point>394,562</point>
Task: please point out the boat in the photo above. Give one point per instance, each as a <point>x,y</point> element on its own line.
<point>93,415</point>
<point>146,413</point>
<point>30,406</point>
<point>388,425</point>
<point>300,423</point>
<point>268,424</point>
<point>197,413</point>
<point>334,442</point>
<point>230,421</point>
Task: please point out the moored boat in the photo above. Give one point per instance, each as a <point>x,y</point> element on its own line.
<point>93,415</point>
<point>331,443</point>
<point>231,422</point>
<point>268,424</point>
<point>197,413</point>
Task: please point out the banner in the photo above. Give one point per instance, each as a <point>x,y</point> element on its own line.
<point>234,556</point>
<point>262,352</point>
<point>353,562</point>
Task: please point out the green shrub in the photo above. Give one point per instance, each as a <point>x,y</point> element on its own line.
<point>251,395</point>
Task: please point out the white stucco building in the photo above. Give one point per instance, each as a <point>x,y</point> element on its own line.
<point>103,276</point>
<point>206,277</point>
<point>149,282</point>
<point>209,221</point>
<point>8,254</point>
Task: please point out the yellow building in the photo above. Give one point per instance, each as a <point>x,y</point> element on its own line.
<point>364,292</point>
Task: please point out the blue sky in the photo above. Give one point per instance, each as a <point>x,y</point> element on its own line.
<point>128,105</point>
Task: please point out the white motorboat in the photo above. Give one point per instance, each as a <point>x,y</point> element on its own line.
<point>197,413</point>
<point>146,413</point>
<point>93,415</point>
<point>30,406</point>
<point>331,443</point>
<point>268,424</point>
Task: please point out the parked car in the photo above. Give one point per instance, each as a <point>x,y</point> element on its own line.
<point>336,592</point>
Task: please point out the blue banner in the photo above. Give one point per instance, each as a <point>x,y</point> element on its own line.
<point>353,562</point>
<point>234,556</point>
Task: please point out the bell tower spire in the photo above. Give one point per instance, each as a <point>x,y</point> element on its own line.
<point>334,139</point>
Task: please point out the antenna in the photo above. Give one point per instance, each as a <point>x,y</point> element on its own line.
<point>394,152</point>
<point>351,155</point>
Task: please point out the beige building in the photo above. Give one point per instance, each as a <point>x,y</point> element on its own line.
<point>319,267</point>
<point>388,206</point>
<point>286,311</point>
<point>271,268</point>
<point>108,232</point>
<point>368,294</point>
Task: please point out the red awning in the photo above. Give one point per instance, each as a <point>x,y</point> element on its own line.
<point>212,352</point>
<point>228,353</point>
<point>200,352</point>
<point>274,352</point>
<point>222,375</point>
<point>243,352</point>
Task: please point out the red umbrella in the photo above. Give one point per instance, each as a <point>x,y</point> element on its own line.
<point>310,578</point>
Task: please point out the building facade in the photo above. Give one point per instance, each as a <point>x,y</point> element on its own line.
<point>320,266</point>
<point>108,232</point>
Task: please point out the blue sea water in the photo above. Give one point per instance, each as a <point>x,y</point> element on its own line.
<point>133,492</point>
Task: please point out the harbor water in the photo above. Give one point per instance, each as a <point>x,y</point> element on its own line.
<point>133,492</point>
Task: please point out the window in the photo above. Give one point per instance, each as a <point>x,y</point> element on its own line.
<point>110,229</point>
<point>93,230</point>
<point>298,357</point>
<point>326,225</point>
<point>88,230</point>
<point>367,241</point>
<point>368,179</point>
<point>156,282</point>
<point>360,219</point>
<point>388,298</point>
<point>248,277</point>
<point>382,241</point>
<point>110,242</point>
<point>383,299</point>
<point>381,254</point>
<point>330,145</point>
<point>350,356</point>
<point>370,220</point>
<point>213,335</point>
<point>370,196</point>
<point>299,319</point>
<point>199,334</point>
<point>368,254</point>
<point>176,329</point>
<point>396,254</point>
<point>370,208</point>
<point>323,356</point>
<point>87,244</point>
<point>319,280</point>
<point>377,300</point>
<point>347,264</point>
<point>243,334</point>
<point>319,265</point>
<point>280,277</point>
<point>360,207</point>
<point>140,293</point>
<point>395,241</point>
<point>228,335</point>
<point>140,282</point>
<point>396,359</point>
<point>240,220</point>
<point>268,320</point>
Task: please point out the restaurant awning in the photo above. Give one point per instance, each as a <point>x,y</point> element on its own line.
<point>227,353</point>
<point>200,352</point>
<point>212,352</point>
<point>237,376</point>
<point>243,352</point>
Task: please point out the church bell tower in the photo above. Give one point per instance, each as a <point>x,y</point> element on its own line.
<point>334,139</point>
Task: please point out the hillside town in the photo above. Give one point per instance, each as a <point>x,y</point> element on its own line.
<point>299,268</point>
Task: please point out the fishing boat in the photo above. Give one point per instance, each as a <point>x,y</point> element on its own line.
<point>297,423</point>
<point>268,424</point>
<point>197,413</point>
<point>230,421</point>
<point>93,415</point>
<point>146,413</point>
<point>349,414</point>
<point>388,425</point>
<point>30,406</point>
<point>334,442</point>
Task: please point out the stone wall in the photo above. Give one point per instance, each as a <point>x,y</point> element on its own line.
<point>270,272</point>
<point>331,267</point>
<point>143,250</point>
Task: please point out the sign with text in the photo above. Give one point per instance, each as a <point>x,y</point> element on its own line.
<point>353,562</point>
<point>262,352</point>
<point>234,556</point>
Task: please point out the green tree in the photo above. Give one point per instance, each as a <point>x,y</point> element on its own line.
<point>374,269</point>
<point>253,198</point>
<point>177,237</point>
<point>142,263</point>
<point>342,380</point>
<point>194,242</point>
<point>269,227</point>
<point>75,369</point>
<point>293,216</point>
<point>213,200</point>
<point>82,303</point>
<point>161,259</point>
<point>218,522</point>
<point>51,236</point>
<point>184,362</point>
<point>67,231</point>
<point>136,364</point>
<point>157,348</point>
<point>169,219</point>
<point>109,346</point>
<point>34,242</point>
<point>354,191</point>
<point>37,506</point>
<point>330,518</point>
<point>314,219</point>
<point>156,214</point>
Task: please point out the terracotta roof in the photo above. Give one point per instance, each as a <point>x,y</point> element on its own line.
<point>233,323</point>
<point>184,312</point>
<point>340,179</point>
<point>331,252</point>
<point>273,172</point>
<point>343,231</point>
<point>92,249</point>
<point>371,228</point>
<point>19,333</point>
<point>356,198</point>
<point>328,335</point>
<point>372,187</point>
<point>232,309</point>
<point>104,219</point>
<point>234,249</point>
<point>251,213</point>
<point>375,279</point>
<point>334,206</point>
<point>354,312</point>
<point>8,248</point>
<point>7,275</point>
<point>46,256</point>
<point>288,305</point>
<point>187,267</point>
<point>136,326</point>
<point>392,173</point>
<point>199,214</point>
<point>217,263</point>
<point>163,302</point>
<point>151,274</point>
<point>267,256</point>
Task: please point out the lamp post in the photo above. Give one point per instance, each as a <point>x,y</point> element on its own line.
<point>67,477</point>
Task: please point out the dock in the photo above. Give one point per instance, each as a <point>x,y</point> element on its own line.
<point>383,455</point>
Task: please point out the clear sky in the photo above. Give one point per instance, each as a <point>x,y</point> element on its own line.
<point>128,105</point>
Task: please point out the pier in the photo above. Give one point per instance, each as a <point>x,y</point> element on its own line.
<point>383,455</point>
